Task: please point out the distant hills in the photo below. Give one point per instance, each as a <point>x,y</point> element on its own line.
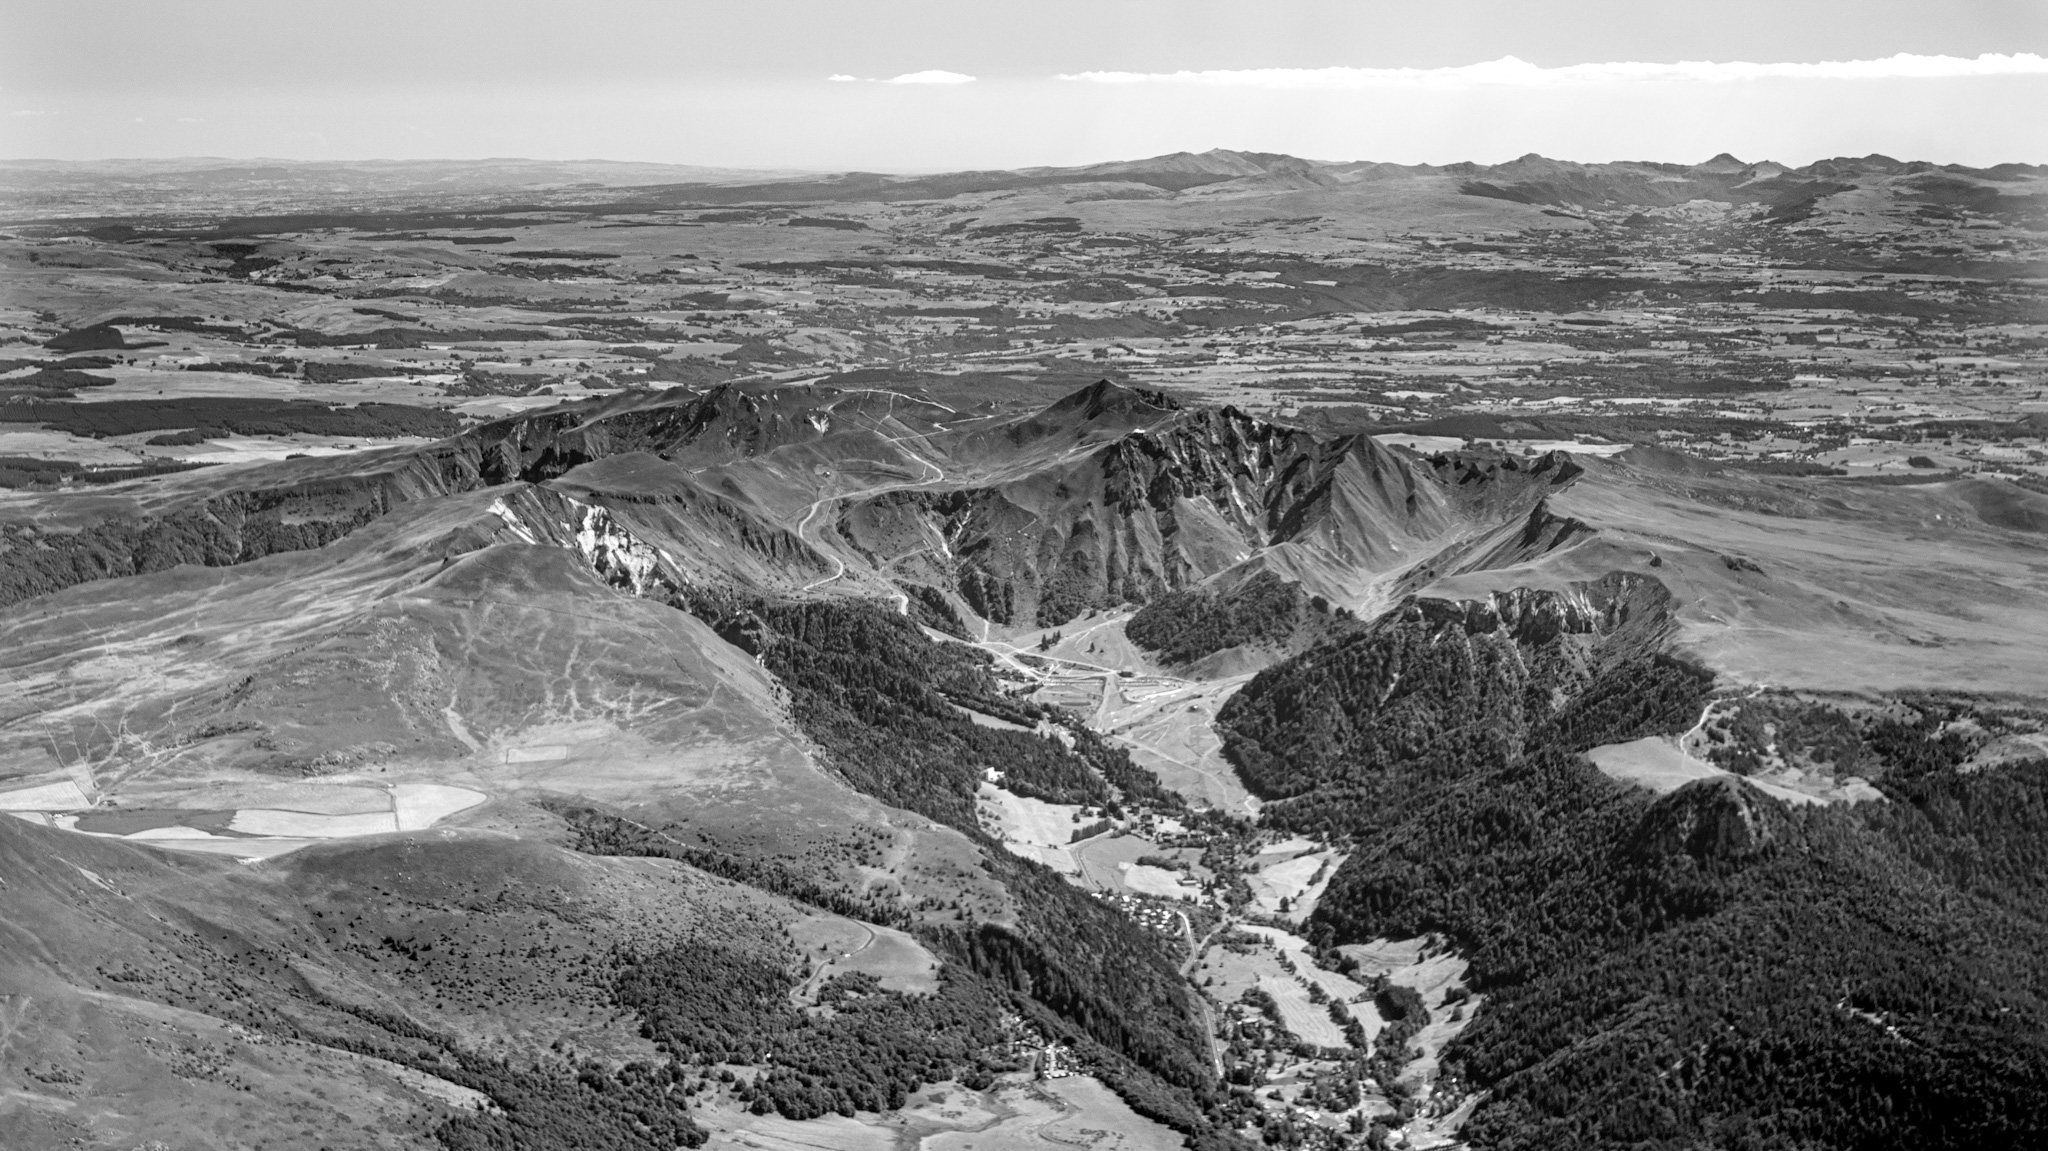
<point>1530,179</point>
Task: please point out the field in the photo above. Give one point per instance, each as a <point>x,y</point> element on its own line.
<point>1432,969</point>
<point>837,945</point>
<point>1651,762</point>
<point>1298,879</point>
<point>1017,1115</point>
<point>1658,764</point>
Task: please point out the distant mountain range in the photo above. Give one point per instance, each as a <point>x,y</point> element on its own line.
<point>1531,179</point>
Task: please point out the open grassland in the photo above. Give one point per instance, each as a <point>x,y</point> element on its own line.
<point>1017,1115</point>
<point>836,946</point>
<point>1658,764</point>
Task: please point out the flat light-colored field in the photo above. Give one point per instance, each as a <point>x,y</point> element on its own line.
<point>1657,763</point>
<point>62,796</point>
<point>420,805</point>
<point>240,848</point>
<point>1860,588</point>
<point>829,1133</point>
<point>41,445</point>
<point>1287,847</point>
<point>1286,879</point>
<point>1168,727</point>
<point>1295,948</point>
<point>1077,1111</point>
<point>1309,1020</point>
<point>1229,974</point>
<point>307,813</point>
<point>1653,762</point>
<point>1432,970</point>
<point>983,719</point>
<point>317,798</point>
<point>263,821</point>
<point>1104,860</point>
<point>1025,820</point>
<point>1158,881</point>
<point>838,946</point>
<point>1017,1115</point>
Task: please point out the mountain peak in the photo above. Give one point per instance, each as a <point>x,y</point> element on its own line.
<point>1105,396</point>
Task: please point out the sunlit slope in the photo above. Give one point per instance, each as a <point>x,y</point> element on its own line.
<point>340,998</point>
<point>1811,582</point>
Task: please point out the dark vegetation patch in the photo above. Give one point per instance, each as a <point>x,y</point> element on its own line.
<point>867,683</point>
<point>90,339</point>
<point>929,607</point>
<point>241,367</point>
<point>704,1004</point>
<point>1181,627</point>
<point>319,373</point>
<point>1054,225</point>
<point>29,472</point>
<point>49,384</point>
<point>1706,968</point>
<point>824,222</point>
<point>400,338</point>
<point>68,363</point>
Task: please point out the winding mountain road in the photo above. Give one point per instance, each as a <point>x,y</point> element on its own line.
<point>839,565</point>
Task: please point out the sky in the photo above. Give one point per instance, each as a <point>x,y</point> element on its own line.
<point>906,85</point>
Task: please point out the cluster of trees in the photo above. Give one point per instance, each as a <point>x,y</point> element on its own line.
<point>703,1004</point>
<point>1184,626</point>
<point>640,1106</point>
<point>1711,967</point>
<point>31,472</point>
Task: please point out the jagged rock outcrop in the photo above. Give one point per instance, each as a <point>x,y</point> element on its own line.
<point>1181,498</point>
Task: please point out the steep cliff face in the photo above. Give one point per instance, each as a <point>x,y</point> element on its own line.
<point>660,546</point>
<point>1193,494</point>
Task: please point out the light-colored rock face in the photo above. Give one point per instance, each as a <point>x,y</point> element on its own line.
<point>618,555</point>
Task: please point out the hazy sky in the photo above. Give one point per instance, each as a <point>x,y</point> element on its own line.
<point>809,83</point>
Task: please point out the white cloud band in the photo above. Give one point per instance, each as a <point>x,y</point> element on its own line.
<point>929,76</point>
<point>1511,72</point>
<point>933,76</point>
